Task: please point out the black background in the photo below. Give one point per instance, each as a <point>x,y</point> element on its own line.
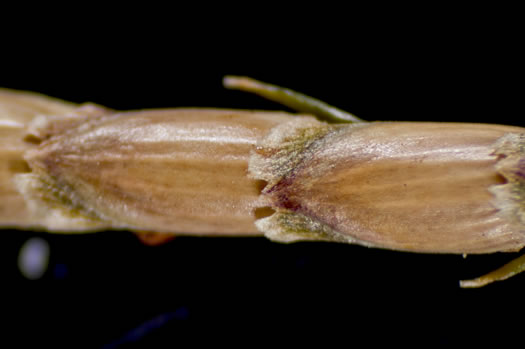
<point>109,289</point>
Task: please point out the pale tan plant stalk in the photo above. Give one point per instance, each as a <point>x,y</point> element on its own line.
<point>421,187</point>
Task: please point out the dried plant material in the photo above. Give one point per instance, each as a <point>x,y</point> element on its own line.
<point>296,101</point>
<point>422,187</point>
<point>43,127</point>
<point>17,112</point>
<point>510,151</point>
<point>505,272</point>
<point>20,108</point>
<point>180,170</point>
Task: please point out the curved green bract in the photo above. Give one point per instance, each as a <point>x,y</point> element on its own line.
<point>292,99</point>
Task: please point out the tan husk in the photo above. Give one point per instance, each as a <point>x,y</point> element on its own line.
<point>425,187</point>
<point>169,171</point>
<point>17,112</point>
<point>421,187</point>
<point>510,150</point>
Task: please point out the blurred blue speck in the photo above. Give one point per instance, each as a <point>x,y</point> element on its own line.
<point>145,328</point>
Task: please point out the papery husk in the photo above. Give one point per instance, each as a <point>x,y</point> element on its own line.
<point>422,187</point>
<point>19,108</point>
<point>510,150</point>
<point>168,171</point>
<point>17,112</point>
